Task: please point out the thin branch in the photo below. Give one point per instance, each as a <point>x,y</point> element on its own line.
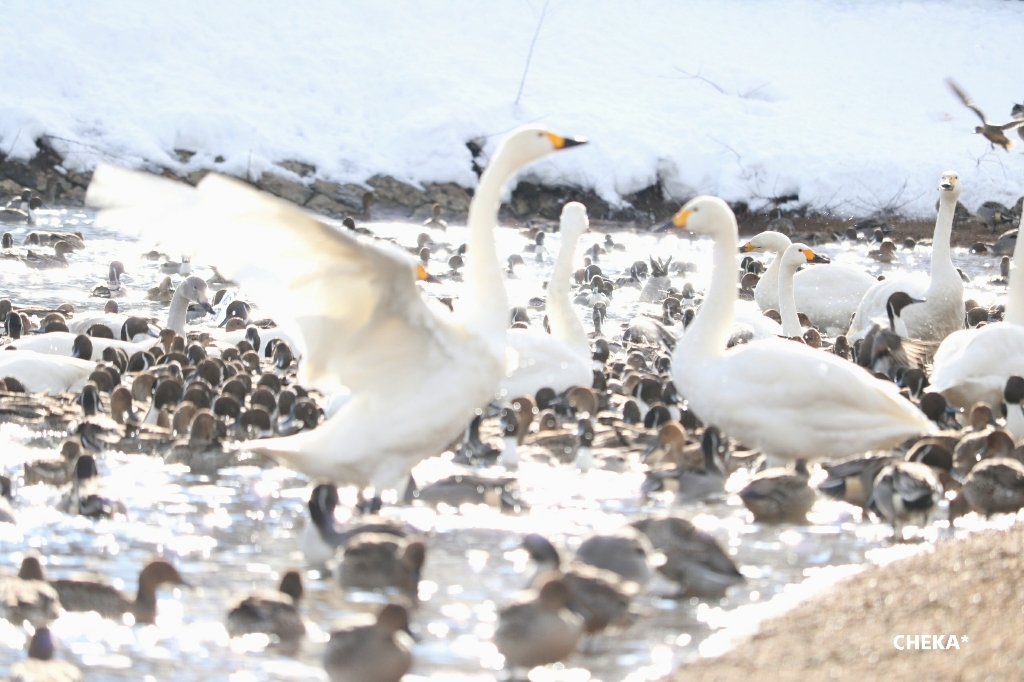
<point>529,54</point>
<point>697,76</point>
<point>13,143</point>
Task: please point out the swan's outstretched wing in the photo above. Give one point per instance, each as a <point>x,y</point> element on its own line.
<point>362,320</point>
<point>967,101</point>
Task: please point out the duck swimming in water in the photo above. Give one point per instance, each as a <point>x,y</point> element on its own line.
<point>271,613</point>
<point>371,653</point>
<point>41,666</point>
<point>539,629</point>
<point>85,595</point>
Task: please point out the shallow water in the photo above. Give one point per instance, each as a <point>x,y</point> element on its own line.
<point>240,530</point>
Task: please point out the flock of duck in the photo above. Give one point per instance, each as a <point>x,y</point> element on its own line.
<point>894,395</point>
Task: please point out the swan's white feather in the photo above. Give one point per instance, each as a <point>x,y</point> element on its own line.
<point>544,361</point>
<point>62,343</point>
<point>41,373</point>
<point>780,397</point>
<point>972,365</point>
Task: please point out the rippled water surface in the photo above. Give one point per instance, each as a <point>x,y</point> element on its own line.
<point>240,530</point>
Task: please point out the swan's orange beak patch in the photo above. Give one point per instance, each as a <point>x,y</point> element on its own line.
<point>680,218</point>
<point>808,254</point>
<point>559,142</point>
<point>748,247</point>
<point>423,276</point>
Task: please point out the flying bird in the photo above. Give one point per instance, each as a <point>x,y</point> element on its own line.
<point>996,134</point>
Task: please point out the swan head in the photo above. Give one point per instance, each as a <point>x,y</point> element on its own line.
<point>531,142</point>
<point>573,221</point>
<point>767,242</point>
<point>705,215</point>
<point>194,289</point>
<point>798,255</point>
<point>949,186</point>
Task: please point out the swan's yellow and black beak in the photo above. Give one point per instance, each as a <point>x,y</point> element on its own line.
<point>678,220</point>
<point>423,276</point>
<point>747,248</point>
<point>813,257</point>
<point>559,142</point>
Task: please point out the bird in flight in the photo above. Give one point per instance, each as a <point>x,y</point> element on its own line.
<point>996,134</point>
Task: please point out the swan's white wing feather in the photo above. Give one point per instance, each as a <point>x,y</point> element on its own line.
<point>811,404</point>
<point>830,294</point>
<point>45,373</point>
<point>974,364</point>
<point>544,361</point>
<point>362,320</point>
<point>872,306</point>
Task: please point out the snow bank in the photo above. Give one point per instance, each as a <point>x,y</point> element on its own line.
<point>840,101</point>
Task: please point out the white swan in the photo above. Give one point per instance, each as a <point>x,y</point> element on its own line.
<point>416,372</point>
<point>751,325</point>
<point>795,256</point>
<point>787,399</point>
<point>191,290</point>
<point>828,295</point>
<point>45,373</point>
<point>561,359</point>
<point>942,313</point>
<point>972,365</point>
<point>63,343</point>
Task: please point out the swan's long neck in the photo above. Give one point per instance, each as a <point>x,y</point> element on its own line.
<point>768,285</point>
<point>787,302</point>
<point>177,314</point>
<point>1015,295</point>
<point>486,301</point>
<point>943,274</point>
<point>708,333</point>
<point>565,323</point>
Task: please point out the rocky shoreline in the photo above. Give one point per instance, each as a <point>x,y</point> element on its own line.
<point>384,197</point>
<point>966,587</point>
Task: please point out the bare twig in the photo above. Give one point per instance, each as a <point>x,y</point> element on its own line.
<point>529,54</point>
<point>697,76</point>
<point>13,143</point>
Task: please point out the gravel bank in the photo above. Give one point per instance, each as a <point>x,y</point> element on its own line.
<point>970,587</point>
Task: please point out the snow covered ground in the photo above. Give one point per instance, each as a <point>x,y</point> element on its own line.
<point>841,101</point>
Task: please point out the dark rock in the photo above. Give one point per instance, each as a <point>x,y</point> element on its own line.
<point>328,206</point>
<point>389,190</point>
<point>24,175</point>
<point>298,167</point>
<point>184,155</point>
<point>290,190</point>
<point>9,188</point>
<point>452,197</point>
<point>80,179</point>
<point>347,195</point>
<point>194,177</point>
<point>652,203</point>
